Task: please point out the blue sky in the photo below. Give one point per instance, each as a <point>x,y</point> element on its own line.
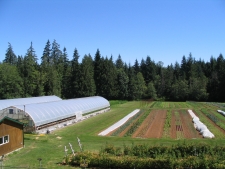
<point>164,30</point>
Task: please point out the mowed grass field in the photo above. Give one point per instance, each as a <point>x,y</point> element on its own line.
<point>51,147</point>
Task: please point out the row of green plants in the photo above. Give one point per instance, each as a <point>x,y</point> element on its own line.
<point>158,104</point>
<point>203,118</point>
<point>128,122</point>
<point>146,103</point>
<point>145,126</point>
<point>219,105</point>
<point>152,105</point>
<point>167,125</point>
<point>195,156</point>
<point>188,104</point>
<point>213,118</point>
<point>217,118</point>
<point>137,124</point>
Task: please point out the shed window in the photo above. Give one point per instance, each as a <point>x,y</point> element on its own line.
<point>4,140</point>
<point>10,111</point>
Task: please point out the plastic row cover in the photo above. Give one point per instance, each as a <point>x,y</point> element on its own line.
<point>221,112</point>
<point>200,126</point>
<point>119,123</point>
<point>44,113</point>
<point>24,101</point>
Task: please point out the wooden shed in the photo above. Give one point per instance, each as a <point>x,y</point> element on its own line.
<point>11,135</point>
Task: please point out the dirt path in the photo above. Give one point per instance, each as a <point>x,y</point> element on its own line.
<point>156,128</point>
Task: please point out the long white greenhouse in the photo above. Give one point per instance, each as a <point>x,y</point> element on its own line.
<point>45,117</point>
<point>23,101</point>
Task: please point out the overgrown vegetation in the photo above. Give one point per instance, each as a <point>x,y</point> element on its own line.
<point>142,156</point>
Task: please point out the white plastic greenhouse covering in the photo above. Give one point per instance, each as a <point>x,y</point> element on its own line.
<point>24,101</point>
<point>119,123</point>
<point>200,126</point>
<point>44,113</point>
<point>221,112</point>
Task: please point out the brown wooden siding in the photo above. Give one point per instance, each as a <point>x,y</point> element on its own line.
<point>15,132</point>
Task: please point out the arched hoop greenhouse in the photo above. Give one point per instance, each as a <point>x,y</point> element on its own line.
<point>29,100</point>
<point>45,117</point>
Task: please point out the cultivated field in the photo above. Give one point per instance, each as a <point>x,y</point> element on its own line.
<point>171,120</point>
<point>158,123</point>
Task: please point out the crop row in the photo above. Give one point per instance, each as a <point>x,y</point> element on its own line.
<point>135,126</point>
<point>128,122</point>
<point>209,125</point>
<point>168,105</point>
<point>149,122</point>
<point>167,125</point>
<point>217,118</point>
<point>178,123</point>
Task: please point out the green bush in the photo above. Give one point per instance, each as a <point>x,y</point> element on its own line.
<point>139,156</point>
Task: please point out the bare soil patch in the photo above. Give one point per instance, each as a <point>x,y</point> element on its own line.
<point>156,129</point>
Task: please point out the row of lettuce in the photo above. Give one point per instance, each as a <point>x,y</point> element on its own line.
<point>195,156</point>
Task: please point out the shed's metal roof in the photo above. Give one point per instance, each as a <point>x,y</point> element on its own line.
<point>44,113</point>
<point>10,119</point>
<point>24,101</point>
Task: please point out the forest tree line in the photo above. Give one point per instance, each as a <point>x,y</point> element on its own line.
<point>23,76</point>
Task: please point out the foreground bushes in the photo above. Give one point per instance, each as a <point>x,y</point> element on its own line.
<point>142,157</point>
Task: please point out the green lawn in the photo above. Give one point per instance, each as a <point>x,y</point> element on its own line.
<point>51,147</point>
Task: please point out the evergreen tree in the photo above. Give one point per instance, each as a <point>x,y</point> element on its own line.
<point>87,77</point>
<point>110,79</point>
<point>169,78</point>
<point>148,69</point>
<point>55,53</point>
<point>98,72</point>
<point>183,68</point>
<point>46,57</point>
<point>150,92</point>
<point>176,71</point>
<point>119,63</point>
<point>213,81</point>
<point>131,84</point>
<point>220,67</point>
<point>11,83</point>
<point>65,73</point>
<point>160,80</point>
<point>10,56</point>
<point>136,67</point>
<point>31,75</point>
<point>75,75</point>
<point>46,69</point>
<point>49,69</point>
<point>20,66</point>
<point>122,84</point>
